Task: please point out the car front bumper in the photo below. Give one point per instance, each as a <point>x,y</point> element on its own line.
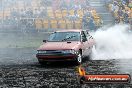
<point>56,57</point>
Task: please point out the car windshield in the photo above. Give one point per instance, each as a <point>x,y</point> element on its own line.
<point>65,36</point>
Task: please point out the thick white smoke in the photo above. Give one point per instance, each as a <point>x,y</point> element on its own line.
<point>113,43</point>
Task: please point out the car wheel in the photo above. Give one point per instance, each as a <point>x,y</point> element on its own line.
<point>42,62</point>
<point>82,80</point>
<point>79,59</point>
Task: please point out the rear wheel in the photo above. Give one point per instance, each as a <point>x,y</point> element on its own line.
<point>79,59</point>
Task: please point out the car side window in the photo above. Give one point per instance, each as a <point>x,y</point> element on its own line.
<point>87,34</point>
<point>83,36</point>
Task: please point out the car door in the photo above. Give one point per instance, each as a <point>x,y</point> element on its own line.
<point>85,44</point>
<point>89,39</point>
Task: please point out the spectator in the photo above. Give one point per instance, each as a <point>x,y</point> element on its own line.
<point>126,20</point>
<point>130,4</point>
<point>120,12</point>
<point>114,7</point>
<point>29,12</point>
<point>22,13</point>
<point>63,5</point>
<point>85,22</point>
<point>91,24</point>
<point>117,20</point>
<point>124,11</point>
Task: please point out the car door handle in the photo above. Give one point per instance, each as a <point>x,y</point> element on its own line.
<point>90,37</point>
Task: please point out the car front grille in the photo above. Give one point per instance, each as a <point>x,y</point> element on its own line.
<point>53,51</point>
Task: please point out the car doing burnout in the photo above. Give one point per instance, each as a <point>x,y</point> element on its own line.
<point>66,45</point>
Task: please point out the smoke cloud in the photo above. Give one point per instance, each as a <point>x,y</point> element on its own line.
<point>113,43</point>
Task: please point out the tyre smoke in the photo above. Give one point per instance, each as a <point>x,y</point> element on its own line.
<point>113,43</point>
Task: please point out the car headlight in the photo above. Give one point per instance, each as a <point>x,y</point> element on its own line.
<point>69,51</point>
<point>41,51</point>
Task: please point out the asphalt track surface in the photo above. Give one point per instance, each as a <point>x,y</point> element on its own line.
<point>19,67</point>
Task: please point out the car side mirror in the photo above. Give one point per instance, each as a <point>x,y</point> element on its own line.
<point>90,37</point>
<point>44,40</point>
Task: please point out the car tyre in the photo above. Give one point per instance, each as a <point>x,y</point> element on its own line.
<point>82,80</point>
<point>42,62</point>
<point>79,59</point>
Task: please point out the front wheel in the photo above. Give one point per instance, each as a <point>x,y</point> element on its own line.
<point>79,59</point>
<point>42,62</point>
<point>82,80</point>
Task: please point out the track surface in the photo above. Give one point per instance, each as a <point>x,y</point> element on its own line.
<point>54,75</point>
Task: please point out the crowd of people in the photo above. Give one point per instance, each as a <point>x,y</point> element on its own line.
<point>122,10</point>
<point>89,20</point>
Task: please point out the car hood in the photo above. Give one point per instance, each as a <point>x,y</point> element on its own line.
<point>60,45</point>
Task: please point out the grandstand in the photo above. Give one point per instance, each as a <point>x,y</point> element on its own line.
<point>121,10</point>
<point>64,14</point>
<point>47,15</point>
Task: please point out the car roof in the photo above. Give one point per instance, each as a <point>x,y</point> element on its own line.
<point>70,30</point>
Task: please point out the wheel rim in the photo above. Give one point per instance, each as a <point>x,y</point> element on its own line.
<point>79,59</point>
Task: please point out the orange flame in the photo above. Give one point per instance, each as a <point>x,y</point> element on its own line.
<point>81,71</point>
